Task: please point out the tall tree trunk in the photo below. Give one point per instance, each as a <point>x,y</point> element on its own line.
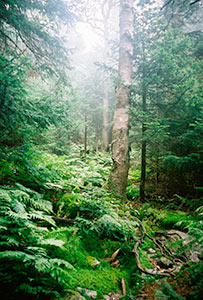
<point>85,136</point>
<point>97,134</point>
<point>120,137</point>
<point>105,135</point>
<point>143,152</point>
<point>144,109</point>
<point>105,100</point>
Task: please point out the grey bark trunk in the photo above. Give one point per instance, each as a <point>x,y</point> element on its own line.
<point>120,137</point>
<point>105,135</point>
<point>85,137</point>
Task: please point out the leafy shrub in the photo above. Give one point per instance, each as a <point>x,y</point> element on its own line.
<point>95,214</point>
<point>132,192</point>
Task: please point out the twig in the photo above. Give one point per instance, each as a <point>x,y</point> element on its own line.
<point>113,256</point>
<point>123,287</point>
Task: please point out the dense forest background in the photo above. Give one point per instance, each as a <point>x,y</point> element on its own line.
<point>101,149</point>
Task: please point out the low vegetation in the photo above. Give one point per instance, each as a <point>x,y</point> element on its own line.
<point>69,231</point>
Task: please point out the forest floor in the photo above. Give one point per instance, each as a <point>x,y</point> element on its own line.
<point>114,249</point>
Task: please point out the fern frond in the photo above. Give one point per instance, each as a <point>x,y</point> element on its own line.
<point>18,207</point>
<point>52,242</point>
<point>35,290</point>
<point>17,216</point>
<point>13,255</point>
<point>61,263</point>
<point>63,230</point>
<point>199,210</point>
<point>28,247</point>
<point>37,229</point>
<point>42,264</point>
<point>60,276</point>
<point>37,250</point>
<point>39,215</point>
<point>9,240</point>
<point>34,199</point>
<point>20,195</point>
<point>26,190</point>
<point>41,204</point>
<point>4,197</point>
<point>2,228</point>
<point>4,220</point>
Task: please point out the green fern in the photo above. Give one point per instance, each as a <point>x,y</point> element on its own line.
<point>27,256</point>
<point>167,292</point>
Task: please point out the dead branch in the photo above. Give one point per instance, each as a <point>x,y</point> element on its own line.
<point>113,256</point>
<point>123,287</point>
<point>65,220</point>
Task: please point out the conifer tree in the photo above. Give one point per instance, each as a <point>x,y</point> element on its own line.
<point>172,84</point>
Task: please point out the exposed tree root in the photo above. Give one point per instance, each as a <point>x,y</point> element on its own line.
<point>147,271</point>
<point>160,246</point>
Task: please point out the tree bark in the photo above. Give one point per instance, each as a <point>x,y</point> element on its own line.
<point>120,137</point>
<point>144,109</point>
<point>85,136</point>
<point>97,134</point>
<point>105,100</point>
<point>143,152</point>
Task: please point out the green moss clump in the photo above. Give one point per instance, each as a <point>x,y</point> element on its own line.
<point>147,244</point>
<point>167,218</point>
<point>144,259</point>
<point>103,280</point>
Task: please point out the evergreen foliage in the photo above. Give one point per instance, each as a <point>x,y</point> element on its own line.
<point>171,78</point>
<point>33,24</point>
<point>32,48</point>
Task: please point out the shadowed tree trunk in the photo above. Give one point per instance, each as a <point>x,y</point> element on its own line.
<point>120,137</point>
<point>105,134</point>
<point>85,136</point>
<point>144,109</point>
<point>106,8</point>
<point>97,134</point>
<point>144,146</point>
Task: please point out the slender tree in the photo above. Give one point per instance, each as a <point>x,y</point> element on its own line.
<point>167,101</point>
<point>101,20</point>
<point>120,136</point>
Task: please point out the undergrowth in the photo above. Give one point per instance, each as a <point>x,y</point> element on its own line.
<point>57,218</point>
<point>166,218</point>
<point>27,261</point>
